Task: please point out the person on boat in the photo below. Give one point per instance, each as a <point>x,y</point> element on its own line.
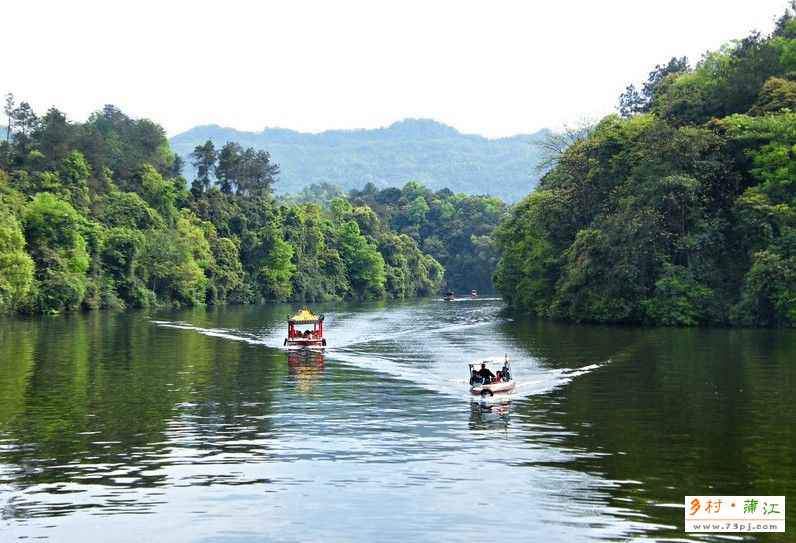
<point>505,373</point>
<point>485,373</point>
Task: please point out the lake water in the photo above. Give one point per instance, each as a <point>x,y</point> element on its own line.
<point>196,426</point>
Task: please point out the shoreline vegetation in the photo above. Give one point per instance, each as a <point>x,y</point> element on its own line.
<point>679,211</point>
<point>97,215</point>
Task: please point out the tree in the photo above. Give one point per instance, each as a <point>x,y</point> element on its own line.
<point>74,172</point>
<point>52,229</point>
<point>554,144</point>
<point>121,259</point>
<point>127,210</point>
<point>454,229</point>
<point>24,122</point>
<point>107,222</point>
<point>633,101</point>
<point>159,193</point>
<point>111,140</point>
<point>776,95</point>
<point>364,262</point>
<point>226,274</point>
<point>55,138</point>
<point>176,166</point>
<point>204,160</point>
<point>679,299</point>
<point>256,173</point>
<point>24,119</point>
<point>8,109</point>
<point>175,262</point>
<point>768,297</point>
<point>16,267</point>
<point>228,168</point>
<point>275,266</point>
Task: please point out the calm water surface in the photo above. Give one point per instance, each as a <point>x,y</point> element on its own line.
<point>197,427</point>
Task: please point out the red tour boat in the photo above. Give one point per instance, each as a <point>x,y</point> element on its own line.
<point>306,337</point>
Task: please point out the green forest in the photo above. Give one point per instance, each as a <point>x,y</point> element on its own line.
<point>97,215</point>
<point>680,210</point>
<point>456,229</point>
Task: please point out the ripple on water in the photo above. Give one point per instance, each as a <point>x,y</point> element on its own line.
<point>199,422</point>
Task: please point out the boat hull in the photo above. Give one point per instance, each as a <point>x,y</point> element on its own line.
<point>493,388</point>
<point>306,343</point>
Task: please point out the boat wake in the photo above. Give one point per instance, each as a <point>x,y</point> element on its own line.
<point>421,345</point>
<point>223,333</point>
<point>440,376</point>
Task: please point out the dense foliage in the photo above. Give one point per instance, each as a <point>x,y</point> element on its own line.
<point>682,211</point>
<point>96,214</point>
<point>438,155</point>
<point>456,229</point>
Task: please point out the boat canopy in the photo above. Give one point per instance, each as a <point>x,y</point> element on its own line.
<point>490,362</point>
<point>305,316</point>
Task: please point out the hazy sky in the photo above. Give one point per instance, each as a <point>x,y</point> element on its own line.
<point>492,67</point>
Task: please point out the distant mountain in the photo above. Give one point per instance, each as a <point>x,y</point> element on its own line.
<point>413,149</point>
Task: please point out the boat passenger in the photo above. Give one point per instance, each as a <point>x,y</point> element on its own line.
<point>485,373</point>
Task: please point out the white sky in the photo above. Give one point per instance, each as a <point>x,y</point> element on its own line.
<point>492,67</point>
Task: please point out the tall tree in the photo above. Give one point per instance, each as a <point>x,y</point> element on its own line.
<point>204,160</point>
<point>633,101</point>
<point>257,172</point>
<point>54,137</point>
<point>228,168</point>
<point>24,118</point>
<point>8,110</point>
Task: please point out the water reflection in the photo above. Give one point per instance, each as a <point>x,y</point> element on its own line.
<point>306,367</point>
<point>193,420</point>
<point>488,415</point>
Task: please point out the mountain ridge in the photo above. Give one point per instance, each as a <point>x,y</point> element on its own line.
<point>423,150</point>
<point>409,121</point>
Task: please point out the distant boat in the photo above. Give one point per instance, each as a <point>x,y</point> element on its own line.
<point>307,337</point>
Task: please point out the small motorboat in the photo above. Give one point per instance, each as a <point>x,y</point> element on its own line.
<point>449,296</point>
<point>305,338</point>
<point>488,377</point>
